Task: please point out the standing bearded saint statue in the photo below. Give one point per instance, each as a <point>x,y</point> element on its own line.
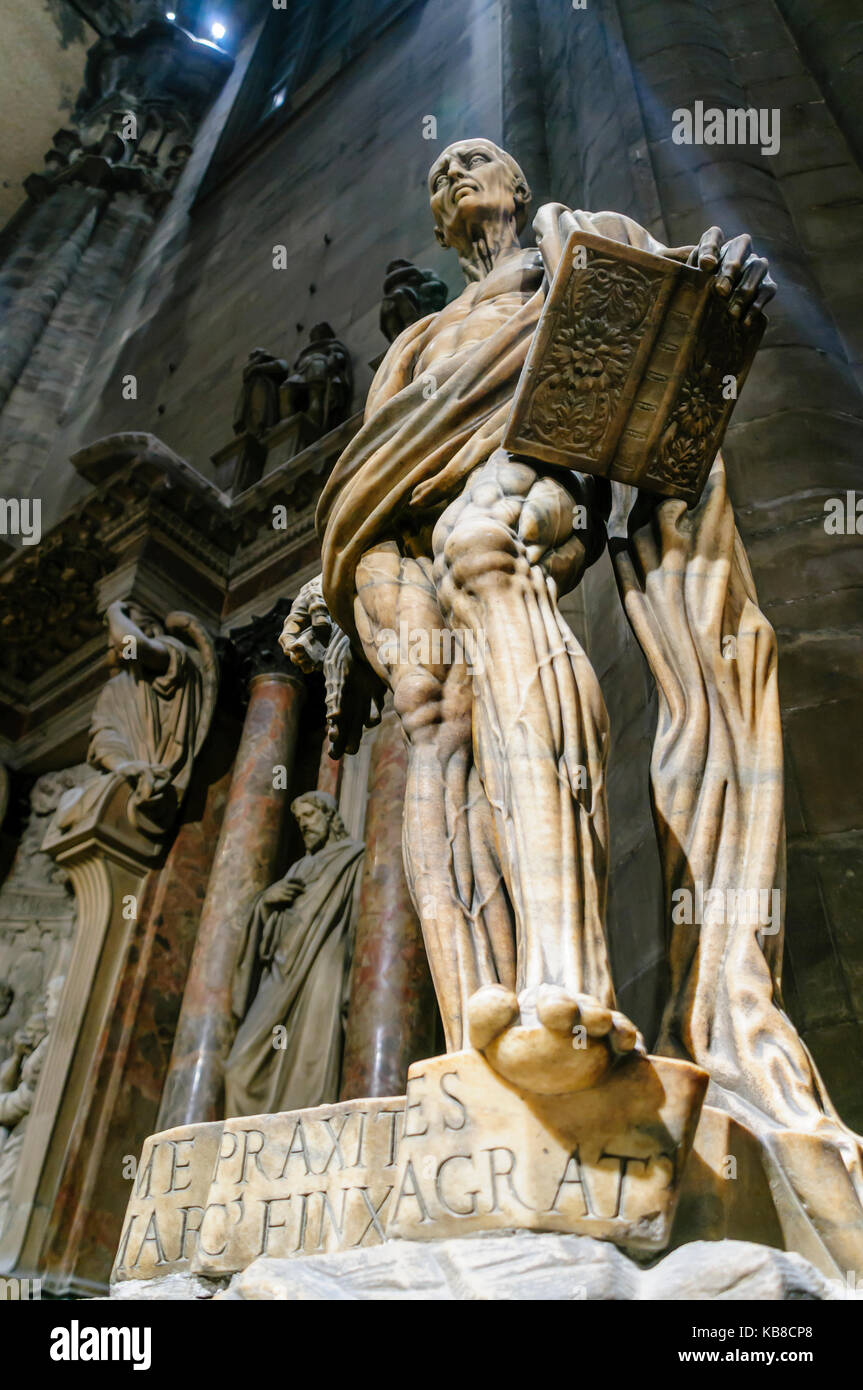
<point>291,973</point>
<point>427,521</point>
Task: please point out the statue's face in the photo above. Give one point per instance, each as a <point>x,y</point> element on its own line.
<point>31,1033</point>
<point>314,825</point>
<point>469,184</point>
<point>149,625</point>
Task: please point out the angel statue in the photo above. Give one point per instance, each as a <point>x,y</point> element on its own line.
<point>150,720</point>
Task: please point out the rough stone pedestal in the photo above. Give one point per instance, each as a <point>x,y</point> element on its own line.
<point>510,1266</point>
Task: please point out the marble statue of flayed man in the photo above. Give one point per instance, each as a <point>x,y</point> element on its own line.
<point>291,975</point>
<point>150,719</point>
<point>427,520</point>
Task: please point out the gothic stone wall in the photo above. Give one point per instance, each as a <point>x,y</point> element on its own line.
<point>349,167</point>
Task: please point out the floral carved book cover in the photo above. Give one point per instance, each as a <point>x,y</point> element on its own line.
<point>634,370</point>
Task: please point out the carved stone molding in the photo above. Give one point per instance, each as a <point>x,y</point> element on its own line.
<point>107,862</point>
<point>135,119</point>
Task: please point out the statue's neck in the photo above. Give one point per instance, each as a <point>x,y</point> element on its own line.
<point>489,244</point>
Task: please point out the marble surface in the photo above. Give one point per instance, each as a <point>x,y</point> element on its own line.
<point>245,863</point>
<point>391,1010</point>
<point>509,1266</point>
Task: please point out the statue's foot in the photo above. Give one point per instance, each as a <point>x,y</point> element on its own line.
<point>547,1040</point>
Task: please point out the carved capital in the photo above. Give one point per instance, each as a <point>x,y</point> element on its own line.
<point>137,113</point>
<point>253,649</point>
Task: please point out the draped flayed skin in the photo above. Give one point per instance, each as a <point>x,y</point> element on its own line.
<point>718,801</point>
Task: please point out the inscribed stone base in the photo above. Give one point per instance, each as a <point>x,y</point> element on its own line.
<point>479,1154</point>
<point>169,1197</point>
<point>210,1198</point>
<point>466,1152</point>
<point>298,1183</point>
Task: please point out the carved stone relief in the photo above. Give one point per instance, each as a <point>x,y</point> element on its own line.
<point>37,908</point>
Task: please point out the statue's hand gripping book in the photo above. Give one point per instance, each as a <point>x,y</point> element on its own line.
<point>634,369</point>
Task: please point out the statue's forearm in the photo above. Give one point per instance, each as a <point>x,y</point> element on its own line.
<point>149,651</point>
<point>15,1105</point>
<point>8,1073</point>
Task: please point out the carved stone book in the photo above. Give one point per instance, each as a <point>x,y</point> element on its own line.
<point>634,369</point>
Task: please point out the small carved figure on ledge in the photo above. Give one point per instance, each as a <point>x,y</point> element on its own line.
<point>291,975</point>
<point>321,382</point>
<point>354,695</point>
<point>409,294</point>
<point>150,719</point>
<point>258,409</point>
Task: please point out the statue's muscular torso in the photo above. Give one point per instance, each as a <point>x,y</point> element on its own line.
<point>481,309</point>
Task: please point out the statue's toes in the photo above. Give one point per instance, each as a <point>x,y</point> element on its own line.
<point>556,1009</point>
<point>624,1037</point>
<point>596,1019</point>
<point>492,1009</point>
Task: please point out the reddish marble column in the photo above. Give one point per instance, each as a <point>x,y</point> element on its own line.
<point>246,861</point>
<point>392,1011</point>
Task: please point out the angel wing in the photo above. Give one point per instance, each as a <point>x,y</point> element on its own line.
<point>183,625</point>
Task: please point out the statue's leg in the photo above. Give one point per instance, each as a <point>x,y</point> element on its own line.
<point>503,552</point>
<point>717,789</point>
<point>450,855</point>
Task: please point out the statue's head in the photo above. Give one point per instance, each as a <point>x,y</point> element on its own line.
<point>31,1033</point>
<point>145,620</point>
<point>47,790</point>
<point>473,183</point>
<point>321,333</point>
<point>317,815</point>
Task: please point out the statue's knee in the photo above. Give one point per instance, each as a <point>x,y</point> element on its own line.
<point>417,699</point>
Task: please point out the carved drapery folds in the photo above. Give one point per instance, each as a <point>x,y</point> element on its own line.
<point>291,973</point>
<point>149,722</point>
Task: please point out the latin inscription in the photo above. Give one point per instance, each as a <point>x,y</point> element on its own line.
<point>460,1152</point>
<point>477,1155</point>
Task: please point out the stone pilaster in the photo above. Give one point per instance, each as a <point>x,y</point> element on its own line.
<point>107,862</point>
